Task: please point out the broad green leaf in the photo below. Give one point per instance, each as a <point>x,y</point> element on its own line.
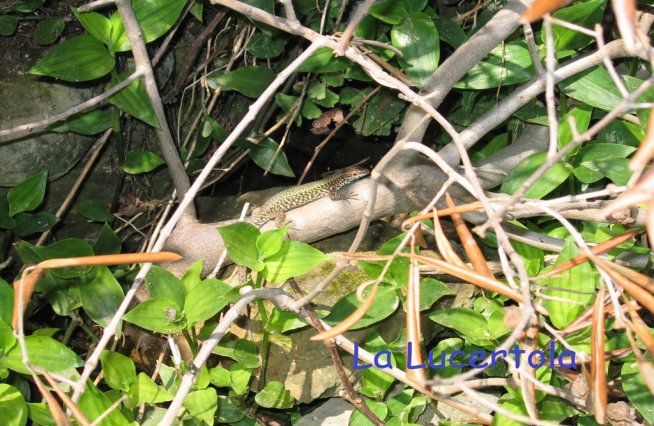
<point>553,177</point>
<point>389,11</point>
<point>274,395</point>
<point>134,100</point>
<point>242,351</point>
<point>319,59</point>
<point>450,32</point>
<point>95,24</point>
<point>282,321</point>
<point>593,87</point>
<point>220,377</point>
<point>240,240</point>
<point>100,294</point>
<point>265,151</point>
<point>359,419</point>
<point>207,299</point>
<point>70,247</point>
<point>585,14</point>
<point>202,404</point>
<point>43,351</point>
<point>7,338</point>
<point>193,276</point>
<point>13,409</point>
<point>505,65</point>
<point>145,391</point>
<point>88,123</point>
<point>430,291</point>
<point>137,162</point>
<point>28,223</point>
<point>155,17</point>
<point>599,160</point>
<point>470,324</point>
<point>571,291</point>
<point>270,242</point>
<point>240,378</point>
<point>264,47</point>
<point>94,403</point>
<point>162,283</point>
<point>292,260</point>
<point>28,194</point>
<point>249,81</point>
<point>158,315</point>
<point>107,242</point>
<point>385,303</point>
<point>407,406</point>
<point>6,299</point>
<point>119,371</point>
<point>375,381</point>
<point>94,209</point>
<point>417,38</point>
<point>40,414</point>
<point>48,30</point>
<point>8,25</point>
<point>231,411</point>
<point>512,406</point>
<point>381,112</point>
<point>637,391</point>
<point>28,6</point>
<point>6,221</point>
<point>80,58</point>
<point>581,117</point>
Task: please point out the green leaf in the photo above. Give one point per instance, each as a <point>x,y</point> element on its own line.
<point>430,291</point>
<point>28,194</point>
<point>292,260</point>
<point>450,32</point>
<point>6,221</point>
<point>263,47</point>
<point>594,87</point>
<point>598,160</point>
<point>270,242</point>
<point>48,30</point>
<point>43,351</point>
<point>100,294</point>
<point>585,14</point>
<point>240,378</point>
<point>137,162</point>
<point>581,116</point>
<point>94,209</point>
<point>87,123</point>
<point>6,299</point>
<point>145,391</point>
<point>13,409</point>
<point>389,11</point>
<point>382,111</point>
<point>28,223</point>
<point>240,240</point>
<point>359,419</point>
<point>7,338</point>
<point>282,321</point>
<point>28,6</point>
<point>375,381</point>
<point>80,58</point>
<point>571,291</point>
<point>417,38</point>
<point>385,303</point>
<point>95,24</point>
<point>207,299</point>
<point>94,403</point>
<point>231,411</point>
<point>318,60</point>
<point>470,324</point>
<point>107,242</point>
<point>134,101</point>
<point>553,177</point>
<point>242,351</point>
<point>637,391</point>
<point>162,283</point>
<point>155,18</point>
<point>505,65</point>
<point>264,152</point>
<point>40,414</point>
<point>158,315</point>
<point>202,404</point>
<point>274,395</point>
<point>248,81</point>
<point>8,25</point>
<point>119,371</point>
<point>193,276</point>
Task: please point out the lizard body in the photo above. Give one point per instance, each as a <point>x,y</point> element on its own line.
<point>276,206</point>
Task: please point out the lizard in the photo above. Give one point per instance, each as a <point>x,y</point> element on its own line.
<point>276,206</point>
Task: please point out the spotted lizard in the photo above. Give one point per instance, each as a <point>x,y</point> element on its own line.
<point>276,207</point>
